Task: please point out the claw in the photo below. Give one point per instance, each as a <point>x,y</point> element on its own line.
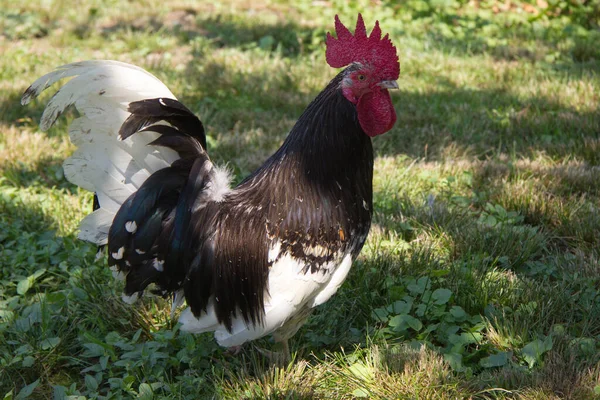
<point>234,350</point>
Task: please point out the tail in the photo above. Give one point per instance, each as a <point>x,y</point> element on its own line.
<point>112,168</point>
<point>141,152</point>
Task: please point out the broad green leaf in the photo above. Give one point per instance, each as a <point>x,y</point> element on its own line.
<point>458,313</point>
<point>400,307</point>
<point>145,392</point>
<point>532,352</point>
<point>26,348</point>
<point>431,328</point>
<point>91,383</point>
<point>420,310</point>
<point>60,392</point>
<point>465,338</point>
<point>103,362</point>
<point>449,330</point>
<point>380,314</point>
<point>38,273</point>
<point>93,350</point>
<point>26,391</point>
<point>28,361</point>
<point>128,380</point>
<point>413,322</point>
<point>23,286</point>
<point>488,220</point>
<point>495,360</point>
<point>361,371</point>
<point>360,393</point>
<point>419,286</point>
<point>113,337</point>
<point>56,297</point>
<point>395,321</point>
<point>586,345</point>
<point>136,336</point>
<point>441,296</point>
<point>455,361</point>
<point>79,293</point>
<point>50,343</point>
<point>266,42</point>
<point>436,273</point>
<point>402,322</point>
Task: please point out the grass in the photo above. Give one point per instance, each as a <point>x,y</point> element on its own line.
<point>480,278</point>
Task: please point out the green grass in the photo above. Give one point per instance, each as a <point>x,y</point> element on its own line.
<point>481,275</point>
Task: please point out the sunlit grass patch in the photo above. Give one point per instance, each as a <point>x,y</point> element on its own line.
<point>299,380</point>
<point>383,373</point>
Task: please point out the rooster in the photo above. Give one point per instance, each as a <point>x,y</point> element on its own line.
<point>250,260</point>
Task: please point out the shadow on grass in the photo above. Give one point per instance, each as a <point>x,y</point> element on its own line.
<point>580,52</point>
<point>18,221</point>
<point>565,373</point>
<point>46,171</point>
<point>542,36</point>
<point>68,301</point>
<point>480,123</point>
<point>555,198</point>
<point>221,30</point>
<point>12,112</point>
<point>287,37</point>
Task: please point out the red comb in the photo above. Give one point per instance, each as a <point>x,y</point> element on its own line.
<point>374,50</point>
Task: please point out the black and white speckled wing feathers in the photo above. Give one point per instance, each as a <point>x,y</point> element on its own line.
<point>149,234</point>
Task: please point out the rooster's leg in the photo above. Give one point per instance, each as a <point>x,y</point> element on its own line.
<point>234,350</point>
<point>287,356</point>
<point>279,358</point>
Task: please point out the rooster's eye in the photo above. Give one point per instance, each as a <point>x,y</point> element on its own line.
<point>361,77</point>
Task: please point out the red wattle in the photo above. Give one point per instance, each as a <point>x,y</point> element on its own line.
<point>376,113</point>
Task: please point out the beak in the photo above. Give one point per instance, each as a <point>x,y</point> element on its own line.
<point>388,84</point>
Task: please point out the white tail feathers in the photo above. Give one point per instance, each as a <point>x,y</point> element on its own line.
<point>95,226</point>
<point>114,169</point>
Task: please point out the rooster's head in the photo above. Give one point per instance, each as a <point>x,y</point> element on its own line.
<point>373,69</point>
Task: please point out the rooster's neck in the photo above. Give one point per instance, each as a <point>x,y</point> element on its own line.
<point>327,145</point>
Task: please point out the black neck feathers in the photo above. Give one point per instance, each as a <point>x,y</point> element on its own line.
<point>327,141</point>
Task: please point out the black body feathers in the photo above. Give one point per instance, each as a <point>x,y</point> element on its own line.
<point>150,111</point>
<point>183,231</point>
